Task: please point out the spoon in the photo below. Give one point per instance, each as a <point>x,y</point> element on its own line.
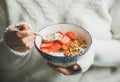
<point>50,37</point>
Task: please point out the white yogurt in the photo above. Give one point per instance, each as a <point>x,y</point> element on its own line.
<point>57,53</point>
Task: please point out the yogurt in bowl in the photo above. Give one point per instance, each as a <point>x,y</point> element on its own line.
<point>63,57</point>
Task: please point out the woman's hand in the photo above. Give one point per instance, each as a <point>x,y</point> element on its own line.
<point>66,70</point>
<point>22,40</point>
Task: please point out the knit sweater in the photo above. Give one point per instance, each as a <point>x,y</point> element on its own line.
<point>100,18</point>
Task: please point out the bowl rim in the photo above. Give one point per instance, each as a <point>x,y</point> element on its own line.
<point>82,53</point>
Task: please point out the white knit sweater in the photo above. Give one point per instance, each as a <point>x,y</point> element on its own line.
<point>99,17</point>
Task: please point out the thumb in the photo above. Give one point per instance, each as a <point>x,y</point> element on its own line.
<point>24,27</point>
<point>76,67</point>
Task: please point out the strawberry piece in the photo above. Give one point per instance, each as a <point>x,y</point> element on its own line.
<point>65,40</point>
<point>56,47</point>
<point>43,45</point>
<point>59,35</point>
<point>46,50</point>
<point>65,47</point>
<point>46,41</point>
<point>60,32</point>
<point>71,35</point>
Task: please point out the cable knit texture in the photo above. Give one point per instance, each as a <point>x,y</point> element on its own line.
<point>99,17</point>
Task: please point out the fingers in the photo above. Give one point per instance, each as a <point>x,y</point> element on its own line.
<point>60,69</point>
<point>24,33</point>
<point>27,42</point>
<point>27,39</point>
<point>21,40</point>
<point>66,70</point>
<point>76,67</point>
<point>24,27</point>
<point>23,44</point>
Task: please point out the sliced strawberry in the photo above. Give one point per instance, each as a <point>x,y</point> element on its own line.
<point>65,40</point>
<point>43,45</point>
<point>56,47</point>
<point>59,35</point>
<point>65,47</point>
<point>60,32</point>
<point>46,50</point>
<point>71,35</point>
<point>46,41</point>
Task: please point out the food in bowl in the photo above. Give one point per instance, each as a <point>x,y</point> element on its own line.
<point>66,44</point>
<point>57,57</point>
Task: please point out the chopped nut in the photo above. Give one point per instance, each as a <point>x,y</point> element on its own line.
<point>75,47</point>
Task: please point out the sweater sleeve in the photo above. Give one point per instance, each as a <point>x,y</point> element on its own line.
<point>11,59</point>
<point>107,52</point>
